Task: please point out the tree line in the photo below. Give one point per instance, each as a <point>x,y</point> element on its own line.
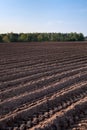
<point>39,37</point>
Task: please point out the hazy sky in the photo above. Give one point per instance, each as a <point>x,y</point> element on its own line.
<point>43,16</point>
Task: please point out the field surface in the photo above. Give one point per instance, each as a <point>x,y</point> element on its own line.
<point>43,86</point>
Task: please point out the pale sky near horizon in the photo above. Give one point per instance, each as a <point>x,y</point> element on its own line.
<point>43,16</point>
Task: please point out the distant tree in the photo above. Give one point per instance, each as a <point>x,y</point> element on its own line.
<point>23,37</point>
<point>45,37</point>
<point>34,37</point>
<point>81,37</point>
<point>29,37</point>
<point>5,38</point>
<point>40,37</point>
<point>72,37</point>
<point>0,38</point>
<point>13,37</point>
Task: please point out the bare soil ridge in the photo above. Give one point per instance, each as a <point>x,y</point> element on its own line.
<point>43,86</point>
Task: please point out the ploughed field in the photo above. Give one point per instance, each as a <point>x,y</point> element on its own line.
<point>43,86</point>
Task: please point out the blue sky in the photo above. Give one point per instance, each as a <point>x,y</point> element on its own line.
<point>43,16</point>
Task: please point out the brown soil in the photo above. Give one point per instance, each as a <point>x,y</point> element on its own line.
<point>43,86</point>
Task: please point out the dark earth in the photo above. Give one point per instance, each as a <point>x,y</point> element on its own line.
<point>43,86</point>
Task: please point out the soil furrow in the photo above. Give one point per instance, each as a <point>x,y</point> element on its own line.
<point>13,103</point>
<point>40,83</point>
<point>49,107</point>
